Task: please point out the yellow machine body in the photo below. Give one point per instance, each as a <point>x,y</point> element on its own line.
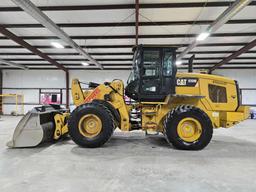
<point>116,99</point>
<point>185,107</point>
<point>216,96</point>
<point>61,127</point>
<point>224,112</point>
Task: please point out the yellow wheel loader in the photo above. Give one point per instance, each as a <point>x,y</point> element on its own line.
<point>184,107</point>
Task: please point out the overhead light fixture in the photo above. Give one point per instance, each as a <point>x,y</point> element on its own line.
<point>202,36</point>
<point>178,62</point>
<point>57,45</point>
<point>85,63</point>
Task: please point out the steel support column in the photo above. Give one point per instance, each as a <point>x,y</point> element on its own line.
<point>137,7</point>
<point>67,89</point>
<point>1,91</point>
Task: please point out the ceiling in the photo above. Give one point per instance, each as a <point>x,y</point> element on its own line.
<point>106,30</point>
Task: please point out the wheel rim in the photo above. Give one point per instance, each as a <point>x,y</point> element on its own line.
<point>90,125</point>
<point>189,129</point>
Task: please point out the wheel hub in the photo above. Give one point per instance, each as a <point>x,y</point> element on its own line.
<point>189,129</point>
<point>90,125</point>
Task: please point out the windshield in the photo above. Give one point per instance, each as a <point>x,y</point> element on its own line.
<point>135,68</point>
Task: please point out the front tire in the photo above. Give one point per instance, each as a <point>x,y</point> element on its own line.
<point>187,127</point>
<point>91,125</point>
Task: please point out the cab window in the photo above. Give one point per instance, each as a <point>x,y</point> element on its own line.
<point>151,62</point>
<point>167,66</point>
<point>217,94</point>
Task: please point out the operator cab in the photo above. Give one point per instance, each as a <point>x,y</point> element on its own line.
<point>153,74</point>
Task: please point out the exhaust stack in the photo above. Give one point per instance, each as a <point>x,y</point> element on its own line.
<point>190,64</point>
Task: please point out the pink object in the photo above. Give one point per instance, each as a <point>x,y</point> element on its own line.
<point>49,98</point>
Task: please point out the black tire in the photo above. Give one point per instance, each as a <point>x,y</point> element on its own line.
<point>113,111</point>
<point>107,125</point>
<point>187,111</point>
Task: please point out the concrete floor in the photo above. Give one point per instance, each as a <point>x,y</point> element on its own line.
<point>131,162</point>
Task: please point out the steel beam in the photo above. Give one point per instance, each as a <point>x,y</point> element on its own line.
<point>134,36</point>
<point>234,55</point>
<point>13,64</point>
<point>115,53</point>
<point>124,59</point>
<point>128,46</point>
<point>26,45</point>
<point>38,59</point>
<point>42,18</point>
<point>130,24</point>
<point>70,53</point>
<point>230,12</point>
<point>126,6</point>
<point>130,64</point>
<point>129,68</point>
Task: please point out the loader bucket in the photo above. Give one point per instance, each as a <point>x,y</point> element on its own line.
<point>35,128</point>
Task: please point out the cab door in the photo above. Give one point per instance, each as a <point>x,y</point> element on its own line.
<point>150,72</point>
<point>157,74</point>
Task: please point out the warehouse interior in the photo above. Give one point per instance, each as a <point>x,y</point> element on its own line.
<point>45,44</point>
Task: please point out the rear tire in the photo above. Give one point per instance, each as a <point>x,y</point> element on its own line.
<point>172,128</point>
<point>103,119</point>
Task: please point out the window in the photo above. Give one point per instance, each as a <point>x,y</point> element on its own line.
<point>151,63</point>
<point>217,94</point>
<point>167,67</point>
<point>54,98</point>
<point>134,75</point>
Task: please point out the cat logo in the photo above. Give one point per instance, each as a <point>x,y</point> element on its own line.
<point>188,82</point>
<point>181,82</point>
